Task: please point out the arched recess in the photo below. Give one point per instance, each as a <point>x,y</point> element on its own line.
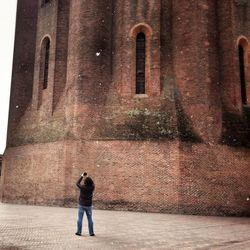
<point>244,69</point>
<point>141,35</point>
<point>44,67</point>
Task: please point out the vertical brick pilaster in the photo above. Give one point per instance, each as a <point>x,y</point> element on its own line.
<point>23,63</point>
<point>196,65</point>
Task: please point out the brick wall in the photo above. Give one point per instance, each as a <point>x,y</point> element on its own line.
<point>183,147</point>
<point>164,176</point>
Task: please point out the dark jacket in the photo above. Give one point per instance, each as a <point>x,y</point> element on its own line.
<point>86,193</point>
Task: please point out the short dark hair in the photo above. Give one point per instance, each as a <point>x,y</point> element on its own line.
<point>88,182</point>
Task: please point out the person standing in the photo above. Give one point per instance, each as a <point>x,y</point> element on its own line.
<point>85,203</point>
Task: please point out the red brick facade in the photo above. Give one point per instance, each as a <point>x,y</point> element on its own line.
<point>183,146</point>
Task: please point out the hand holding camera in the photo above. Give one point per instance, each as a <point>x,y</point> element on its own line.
<point>84,174</point>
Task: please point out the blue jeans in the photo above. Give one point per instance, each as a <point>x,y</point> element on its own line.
<point>88,211</point>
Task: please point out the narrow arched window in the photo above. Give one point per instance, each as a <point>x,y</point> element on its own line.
<point>140,63</point>
<point>45,61</point>
<point>242,74</point>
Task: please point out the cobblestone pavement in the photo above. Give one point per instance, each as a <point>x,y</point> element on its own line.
<point>35,227</point>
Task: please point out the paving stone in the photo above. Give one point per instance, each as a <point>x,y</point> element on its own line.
<point>36,227</point>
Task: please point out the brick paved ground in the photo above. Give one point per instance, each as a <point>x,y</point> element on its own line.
<point>34,227</point>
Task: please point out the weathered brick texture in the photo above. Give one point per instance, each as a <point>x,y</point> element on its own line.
<point>182,147</point>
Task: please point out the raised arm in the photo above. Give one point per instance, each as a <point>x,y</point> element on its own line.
<point>78,184</point>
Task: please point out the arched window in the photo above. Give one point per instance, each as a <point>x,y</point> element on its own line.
<point>242,74</point>
<point>45,62</point>
<point>140,63</point>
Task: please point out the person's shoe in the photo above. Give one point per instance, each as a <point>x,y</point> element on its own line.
<point>92,235</point>
<point>78,234</point>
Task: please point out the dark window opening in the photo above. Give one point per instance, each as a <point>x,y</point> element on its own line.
<point>140,63</point>
<point>242,74</point>
<point>44,2</point>
<point>46,64</point>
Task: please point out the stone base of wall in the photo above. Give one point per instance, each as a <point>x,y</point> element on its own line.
<point>166,176</point>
